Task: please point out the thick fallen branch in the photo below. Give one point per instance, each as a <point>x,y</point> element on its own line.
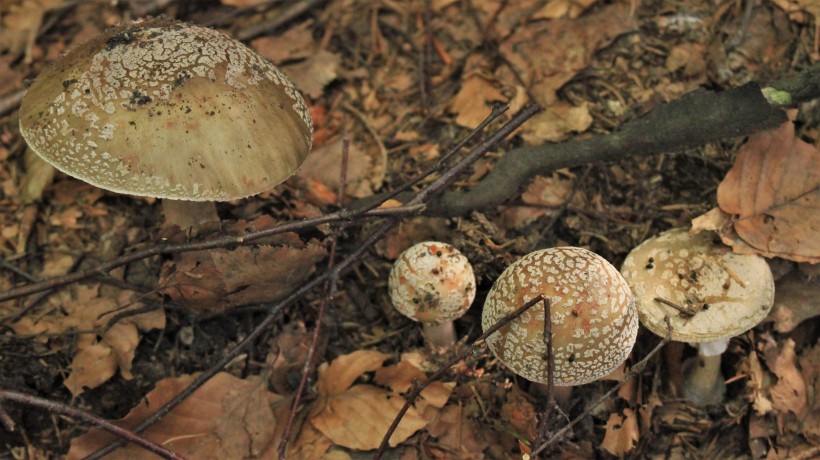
<point>695,119</point>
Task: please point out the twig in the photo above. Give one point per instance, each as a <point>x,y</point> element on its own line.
<point>295,10</point>
<point>6,420</point>
<point>634,371</point>
<point>87,417</point>
<point>479,342</point>
<point>544,422</point>
<point>329,291</point>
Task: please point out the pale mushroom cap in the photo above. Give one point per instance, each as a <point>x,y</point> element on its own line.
<point>594,322</point>
<point>170,110</point>
<point>432,282</point>
<point>692,271</point>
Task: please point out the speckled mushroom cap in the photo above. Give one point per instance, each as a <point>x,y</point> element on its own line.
<point>731,293</point>
<point>594,322</point>
<point>432,282</point>
<point>170,110</point>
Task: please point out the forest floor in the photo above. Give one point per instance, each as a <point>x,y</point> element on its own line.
<point>402,82</point>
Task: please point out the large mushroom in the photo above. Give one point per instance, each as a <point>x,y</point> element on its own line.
<point>594,322</point>
<point>433,283</point>
<point>710,295</point>
<point>171,110</point>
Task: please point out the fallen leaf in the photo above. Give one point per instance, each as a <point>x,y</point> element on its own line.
<point>621,433</point>
<point>541,194</point>
<point>357,416</point>
<point>563,47</point>
<point>473,102</point>
<point>758,382</point>
<point>21,24</point>
<point>555,122</point>
<point>796,300</point>
<point>295,43</point>
<point>226,418</point>
<point>399,377</point>
<point>287,355</point>
<point>324,165</point>
<point>462,436</point>
<point>773,195</point>
<point>216,280</point>
<point>789,393</point>
<point>555,9</point>
<point>312,74</point>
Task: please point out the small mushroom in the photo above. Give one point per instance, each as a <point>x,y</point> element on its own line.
<point>594,322</point>
<point>709,293</point>
<point>433,283</point>
<point>171,110</point>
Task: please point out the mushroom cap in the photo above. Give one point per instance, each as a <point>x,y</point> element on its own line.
<point>730,293</point>
<point>432,282</point>
<point>170,110</point>
<point>594,322</point>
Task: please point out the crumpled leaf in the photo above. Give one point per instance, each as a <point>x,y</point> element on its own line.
<point>789,393</point>
<point>98,356</point>
<point>473,102</point>
<point>773,195</point>
<point>324,165</point>
<point>555,9</point>
<point>226,418</point>
<point>312,74</point>
<point>621,433</point>
<point>216,280</point>
<point>461,435</point>
<point>19,27</point>
<point>357,416</point>
<point>759,382</point>
<point>541,194</point>
<point>555,122</point>
<point>796,301</point>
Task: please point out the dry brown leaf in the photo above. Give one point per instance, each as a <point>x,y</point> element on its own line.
<point>541,194</point>
<point>287,355</point>
<point>225,418</point>
<point>97,358</point>
<point>295,43</point>
<point>520,414</point>
<point>556,122</point>
<point>789,393</point>
<point>810,363</point>
<point>399,377</point>
<point>312,74</point>
<point>215,280</point>
<point>344,370</point>
<point>758,382</point>
<point>796,300</point>
<point>621,433</point>
<point>20,26</point>
<point>473,102</point>
<point>773,195</point>
<point>563,47</point>
<point>358,417</point>
<point>555,9</point>
<point>324,165</point>
<point>462,436</point>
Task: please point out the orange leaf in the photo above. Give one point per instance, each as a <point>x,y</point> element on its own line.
<point>621,433</point>
<point>773,193</point>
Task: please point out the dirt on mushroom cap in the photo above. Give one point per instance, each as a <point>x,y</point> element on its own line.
<point>166,109</point>
<point>726,293</point>
<point>594,322</point>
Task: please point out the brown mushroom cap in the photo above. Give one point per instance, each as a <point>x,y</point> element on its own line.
<point>170,110</point>
<point>594,322</point>
<point>728,293</point>
<point>432,282</point>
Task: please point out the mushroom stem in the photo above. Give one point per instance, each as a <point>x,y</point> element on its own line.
<point>440,334</point>
<point>703,382</point>
<point>189,214</point>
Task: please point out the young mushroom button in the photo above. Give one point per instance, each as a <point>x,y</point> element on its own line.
<point>170,110</point>
<point>709,293</point>
<point>433,283</point>
<point>594,322</point>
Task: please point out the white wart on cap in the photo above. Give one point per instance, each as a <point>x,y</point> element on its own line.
<point>432,282</point>
<point>726,293</point>
<point>170,110</point>
<point>594,322</point>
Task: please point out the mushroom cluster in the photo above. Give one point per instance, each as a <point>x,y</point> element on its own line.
<point>171,110</point>
<point>709,294</point>
<point>594,322</point>
<point>433,283</point>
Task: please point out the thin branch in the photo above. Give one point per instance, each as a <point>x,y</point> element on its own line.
<point>478,343</point>
<point>87,417</point>
<point>634,371</point>
<point>544,421</point>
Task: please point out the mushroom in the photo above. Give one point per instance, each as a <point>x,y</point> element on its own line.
<point>709,293</point>
<point>594,322</point>
<point>171,110</point>
<point>433,283</point>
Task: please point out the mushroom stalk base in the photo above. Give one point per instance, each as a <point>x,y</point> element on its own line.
<point>703,382</point>
<point>189,214</point>
<point>440,334</point>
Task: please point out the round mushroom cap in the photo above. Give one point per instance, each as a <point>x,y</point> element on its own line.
<point>432,282</point>
<point>723,294</point>
<point>594,322</point>
<point>170,110</point>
